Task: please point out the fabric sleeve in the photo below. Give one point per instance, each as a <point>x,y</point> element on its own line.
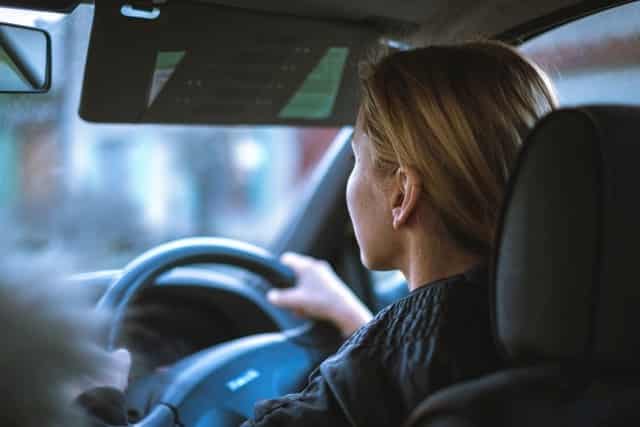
<point>348,389</point>
<point>314,406</point>
<point>362,387</point>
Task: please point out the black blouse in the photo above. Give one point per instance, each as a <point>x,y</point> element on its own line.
<point>438,335</point>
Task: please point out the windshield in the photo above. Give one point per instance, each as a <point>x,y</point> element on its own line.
<point>105,193</point>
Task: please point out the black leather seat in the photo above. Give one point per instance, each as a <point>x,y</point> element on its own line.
<point>565,286</point>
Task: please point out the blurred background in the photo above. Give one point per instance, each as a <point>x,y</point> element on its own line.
<point>108,192</point>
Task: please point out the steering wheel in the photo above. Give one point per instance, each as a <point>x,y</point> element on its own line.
<point>219,385</point>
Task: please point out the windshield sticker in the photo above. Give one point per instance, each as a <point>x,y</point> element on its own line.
<point>317,95</point>
<point>166,63</point>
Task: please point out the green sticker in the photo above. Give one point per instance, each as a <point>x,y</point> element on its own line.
<point>166,63</point>
<point>166,60</point>
<point>317,95</point>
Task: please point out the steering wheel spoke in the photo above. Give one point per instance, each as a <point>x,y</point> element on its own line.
<point>238,374</point>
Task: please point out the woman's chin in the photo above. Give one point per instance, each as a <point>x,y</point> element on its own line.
<point>365,260</point>
<point>374,263</point>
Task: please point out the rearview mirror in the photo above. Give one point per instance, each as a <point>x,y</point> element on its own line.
<point>25,59</point>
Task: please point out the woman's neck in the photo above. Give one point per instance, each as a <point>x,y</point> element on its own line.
<point>426,262</point>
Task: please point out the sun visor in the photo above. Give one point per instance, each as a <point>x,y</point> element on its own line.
<point>185,62</point>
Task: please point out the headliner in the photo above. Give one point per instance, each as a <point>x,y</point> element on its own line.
<point>436,21</point>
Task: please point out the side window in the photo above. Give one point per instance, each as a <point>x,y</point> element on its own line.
<point>595,59</point>
<point>388,287</point>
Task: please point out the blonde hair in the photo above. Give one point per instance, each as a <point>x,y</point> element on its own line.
<point>457,114</point>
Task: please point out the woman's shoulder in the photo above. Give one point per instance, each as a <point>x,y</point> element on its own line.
<point>421,313</point>
<point>415,346</point>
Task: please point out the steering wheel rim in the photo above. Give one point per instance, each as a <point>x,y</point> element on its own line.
<point>140,273</point>
<point>196,378</point>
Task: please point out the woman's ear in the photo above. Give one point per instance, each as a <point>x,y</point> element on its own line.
<point>406,192</point>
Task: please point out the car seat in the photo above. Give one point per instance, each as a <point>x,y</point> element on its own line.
<point>565,293</point>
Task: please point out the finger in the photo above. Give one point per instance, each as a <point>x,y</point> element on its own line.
<point>296,261</point>
<point>299,310</point>
<point>120,373</point>
<point>122,358</point>
<point>290,299</point>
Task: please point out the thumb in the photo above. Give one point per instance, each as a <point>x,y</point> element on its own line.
<point>121,360</point>
<point>122,357</point>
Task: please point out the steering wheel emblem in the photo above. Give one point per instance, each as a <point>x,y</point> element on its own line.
<point>242,380</point>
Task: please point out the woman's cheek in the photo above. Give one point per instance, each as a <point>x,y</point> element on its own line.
<point>351,199</point>
<point>360,217</point>
<point>354,201</point>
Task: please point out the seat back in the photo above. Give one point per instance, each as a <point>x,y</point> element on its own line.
<point>564,292</point>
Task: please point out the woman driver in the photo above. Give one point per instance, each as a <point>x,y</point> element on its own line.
<point>438,131</point>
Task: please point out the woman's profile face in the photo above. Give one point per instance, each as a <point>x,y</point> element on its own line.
<point>367,206</point>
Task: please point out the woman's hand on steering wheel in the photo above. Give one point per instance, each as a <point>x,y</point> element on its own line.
<point>320,294</point>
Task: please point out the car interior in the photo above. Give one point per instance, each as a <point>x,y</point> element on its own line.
<point>191,305</point>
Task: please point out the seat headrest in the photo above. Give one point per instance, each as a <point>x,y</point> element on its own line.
<point>568,244</point>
